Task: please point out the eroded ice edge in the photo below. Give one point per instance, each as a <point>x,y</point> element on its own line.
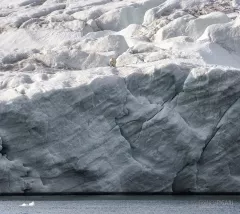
<point>165,119</point>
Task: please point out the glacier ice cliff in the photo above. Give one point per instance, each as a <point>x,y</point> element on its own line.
<point>165,119</point>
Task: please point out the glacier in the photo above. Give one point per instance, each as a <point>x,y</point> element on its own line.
<point>164,118</point>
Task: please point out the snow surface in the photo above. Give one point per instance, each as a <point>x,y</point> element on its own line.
<point>163,117</point>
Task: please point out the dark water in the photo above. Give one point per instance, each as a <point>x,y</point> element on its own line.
<point>122,205</point>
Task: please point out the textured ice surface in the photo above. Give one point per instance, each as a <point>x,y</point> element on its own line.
<point>165,118</point>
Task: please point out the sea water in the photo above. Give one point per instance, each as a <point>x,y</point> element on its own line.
<point>122,205</point>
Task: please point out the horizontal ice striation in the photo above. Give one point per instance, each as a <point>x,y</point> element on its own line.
<point>163,118</point>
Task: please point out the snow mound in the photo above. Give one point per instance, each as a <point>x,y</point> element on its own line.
<point>197,26</point>
<point>226,35</point>
<point>189,26</point>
